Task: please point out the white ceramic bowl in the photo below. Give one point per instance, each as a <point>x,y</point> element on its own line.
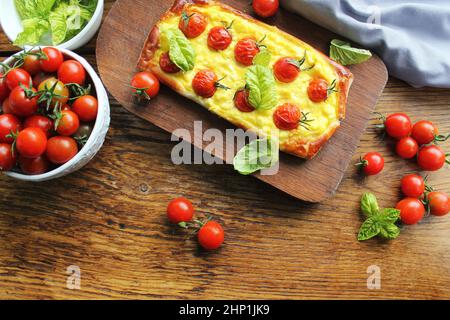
<point>12,26</point>
<point>96,139</point>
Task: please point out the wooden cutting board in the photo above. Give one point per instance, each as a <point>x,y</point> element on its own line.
<point>118,47</point>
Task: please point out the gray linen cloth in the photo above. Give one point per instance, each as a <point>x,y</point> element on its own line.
<point>412,37</point>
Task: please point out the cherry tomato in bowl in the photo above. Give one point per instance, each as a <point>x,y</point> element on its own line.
<point>68,123</point>
<point>31,142</point>
<point>4,90</point>
<point>71,71</point>
<point>52,60</point>
<point>60,149</point>
<point>9,124</point>
<point>38,121</point>
<point>22,101</point>
<point>33,166</point>
<point>7,157</point>
<point>16,77</point>
<point>86,107</point>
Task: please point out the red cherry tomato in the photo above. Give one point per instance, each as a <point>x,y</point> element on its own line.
<point>180,209</point>
<point>265,8</point>
<point>411,210</point>
<point>6,108</point>
<point>286,69</point>
<point>192,24</point>
<point>22,105</point>
<point>431,158</point>
<point>71,71</point>
<point>211,235</point>
<point>4,90</point>
<point>287,116</point>
<point>398,125</point>
<point>219,38</point>
<point>412,185</point>
<point>145,84</point>
<point>166,64</point>
<point>52,60</point>
<point>31,64</point>
<point>245,50</point>
<point>33,166</point>
<point>31,142</point>
<point>406,148</point>
<point>7,157</point>
<point>439,203</point>
<point>424,132</point>
<point>8,124</point>
<point>68,124</point>
<point>41,77</point>
<point>18,76</point>
<point>372,163</point>
<point>205,83</point>
<point>61,149</point>
<point>86,107</point>
<point>318,90</point>
<point>38,121</point>
<point>241,101</point>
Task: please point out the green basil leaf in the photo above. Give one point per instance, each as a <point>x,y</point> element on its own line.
<point>369,229</point>
<point>369,204</point>
<point>261,85</point>
<point>262,58</point>
<point>180,50</point>
<point>342,52</point>
<point>258,154</point>
<point>389,231</point>
<point>389,215</point>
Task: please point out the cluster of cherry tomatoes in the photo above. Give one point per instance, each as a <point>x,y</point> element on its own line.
<point>210,234</point>
<point>47,111</point>
<point>413,140</point>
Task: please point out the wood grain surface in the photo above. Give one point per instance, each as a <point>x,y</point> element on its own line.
<point>109,219</point>
<point>171,111</point>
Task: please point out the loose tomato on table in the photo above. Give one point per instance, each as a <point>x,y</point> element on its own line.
<point>68,123</point>
<point>372,163</point>
<point>61,149</point>
<point>407,148</point>
<point>411,210</point>
<point>166,64</point>
<point>71,71</point>
<point>4,90</point>
<point>192,24</point>
<point>39,121</point>
<point>180,210</point>
<point>7,157</point>
<point>241,101</point>
<point>397,125</point>
<point>17,76</point>
<point>8,124</point>
<point>245,50</point>
<point>205,83</point>
<point>31,142</point>
<point>145,84</point>
<point>33,166</point>
<point>53,92</point>
<point>431,158</point>
<point>265,8</point>
<point>438,203</point>
<point>425,132</point>
<point>22,101</point>
<point>86,107</point>
<point>219,38</point>
<point>51,60</point>
<point>413,185</point>
<point>211,235</point>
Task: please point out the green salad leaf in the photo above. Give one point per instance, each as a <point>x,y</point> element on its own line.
<point>345,54</point>
<point>379,222</point>
<point>51,22</point>
<point>180,50</point>
<point>258,154</point>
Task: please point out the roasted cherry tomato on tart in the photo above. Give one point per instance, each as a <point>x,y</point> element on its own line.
<point>245,50</point>
<point>241,101</point>
<point>319,89</point>
<point>265,8</point>
<point>219,38</point>
<point>145,84</point>
<point>205,83</point>
<point>406,148</point>
<point>192,24</point>
<point>411,210</point>
<point>289,117</point>
<point>166,64</point>
<point>287,69</point>
<point>180,210</point>
<point>372,163</point>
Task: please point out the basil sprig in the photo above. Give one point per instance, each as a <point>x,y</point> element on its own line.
<point>258,154</point>
<point>345,54</point>
<point>181,51</point>
<point>379,222</point>
<point>261,83</point>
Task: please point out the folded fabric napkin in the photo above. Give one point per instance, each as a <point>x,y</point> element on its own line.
<point>412,37</point>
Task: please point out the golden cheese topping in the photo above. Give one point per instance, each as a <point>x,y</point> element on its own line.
<point>324,114</point>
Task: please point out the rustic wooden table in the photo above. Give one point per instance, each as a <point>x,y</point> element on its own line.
<point>109,220</point>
